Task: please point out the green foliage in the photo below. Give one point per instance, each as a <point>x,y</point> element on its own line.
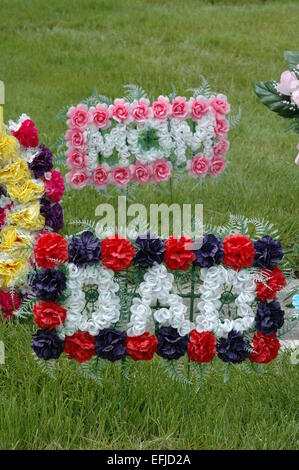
<point>47,367</point>
<point>204,89</point>
<point>234,121</point>
<point>256,228</point>
<point>175,370</point>
<point>92,370</point>
<point>292,59</point>
<point>134,92</point>
<point>270,97</point>
<point>59,159</point>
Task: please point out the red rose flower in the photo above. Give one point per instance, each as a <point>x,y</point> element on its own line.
<point>265,348</point>
<point>80,346</point>
<point>201,346</point>
<point>117,253</point>
<point>141,348</point>
<point>2,217</point>
<point>51,249</point>
<point>274,282</point>
<point>9,304</point>
<point>179,254</point>
<point>27,134</point>
<point>49,315</point>
<point>238,251</point>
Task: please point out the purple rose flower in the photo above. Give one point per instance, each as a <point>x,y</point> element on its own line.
<point>46,344</point>
<point>268,252</point>
<point>48,284</point>
<point>151,250</point>
<point>85,249</point>
<point>111,344</point>
<point>53,215</point>
<point>269,317</point>
<point>210,253</point>
<point>170,344</point>
<point>234,348</point>
<point>42,162</point>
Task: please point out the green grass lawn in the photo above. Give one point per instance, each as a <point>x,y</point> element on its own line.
<point>54,54</point>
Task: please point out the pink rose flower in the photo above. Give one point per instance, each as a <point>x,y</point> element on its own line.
<point>221,147</point>
<point>161,108</point>
<point>120,110</point>
<point>199,166</point>
<point>198,107</point>
<point>180,107</point>
<point>54,186</point>
<point>141,110</point>
<point>288,83</point>
<point>100,176</point>
<point>75,138</point>
<point>217,165</point>
<point>76,159</point>
<point>78,116</point>
<point>100,116</point>
<point>221,126</point>
<point>161,171</point>
<point>141,173</point>
<point>121,176</point>
<point>77,179</point>
<point>220,104</point>
<point>295,97</point>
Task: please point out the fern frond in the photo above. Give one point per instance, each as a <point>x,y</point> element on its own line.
<point>62,114</point>
<point>173,94</point>
<point>175,370</point>
<point>60,143</point>
<point>91,370</point>
<point>289,325</point>
<point>59,159</point>
<point>46,366</point>
<point>201,373</point>
<point>87,224</point>
<point>26,309</point>
<point>234,121</point>
<point>204,89</point>
<point>134,92</point>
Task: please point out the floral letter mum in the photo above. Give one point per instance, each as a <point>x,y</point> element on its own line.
<point>135,140</point>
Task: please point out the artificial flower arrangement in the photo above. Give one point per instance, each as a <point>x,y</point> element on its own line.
<point>30,191</point>
<point>283,97</point>
<point>135,140</point>
<point>115,299</point>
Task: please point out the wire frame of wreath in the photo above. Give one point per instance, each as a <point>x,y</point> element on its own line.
<point>30,191</point>
<point>135,140</point>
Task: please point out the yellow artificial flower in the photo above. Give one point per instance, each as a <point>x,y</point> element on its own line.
<point>12,272</point>
<point>15,173</point>
<point>14,242</point>
<point>9,148</point>
<point>28,218</point>
<point>28,191</point>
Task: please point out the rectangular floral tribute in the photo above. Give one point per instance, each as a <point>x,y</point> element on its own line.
<point>135,140</point>
<point>283,97</point>
<point>30,191</point>
<point>118,298</point>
